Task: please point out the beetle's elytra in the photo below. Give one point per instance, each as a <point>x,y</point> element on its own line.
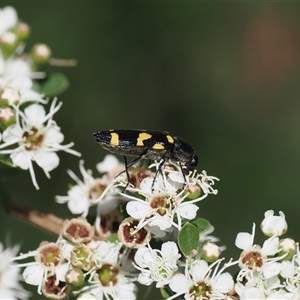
<point>148,144</point>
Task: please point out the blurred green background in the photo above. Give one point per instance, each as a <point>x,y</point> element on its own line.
<point>224,76</point>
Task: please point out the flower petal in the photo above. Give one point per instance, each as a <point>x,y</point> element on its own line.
<point>33,274</point>
<point>138,209</point>
<point>47,160</point>
<point>35,114</point>
<point>243,240</point>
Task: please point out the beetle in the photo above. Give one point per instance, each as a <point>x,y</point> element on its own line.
<point>148,144</point>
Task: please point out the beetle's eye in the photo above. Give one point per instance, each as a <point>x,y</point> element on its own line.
<point>194,161</point>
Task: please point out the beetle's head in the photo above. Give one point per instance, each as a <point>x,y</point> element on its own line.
<point>185,153</point>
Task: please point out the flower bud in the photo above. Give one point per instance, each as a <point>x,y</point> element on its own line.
<point>288,247</point>
<point>75,277</point>
<point>7,116</point>
<point>9,96</point>
<point>40,54</point>
<point>22,30</point>
<point>273,225</point>
<point>194,191</point>
<point>8,43</point>
<point>210,252</point>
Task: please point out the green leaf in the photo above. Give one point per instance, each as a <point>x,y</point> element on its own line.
<point>164,292</point>
<point>55,85</point>
<point>188,238</point>
<point>5,198</point>
<point>112,238</point>
<point>202,224</point>
<point>6,161</point>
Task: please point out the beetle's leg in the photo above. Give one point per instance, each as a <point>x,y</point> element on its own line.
<point>128,165</point>
<point>182,171</point>
<point>159,169</point>
<point>127,173</point>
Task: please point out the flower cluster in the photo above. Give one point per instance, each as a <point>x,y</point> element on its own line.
<point>270,271</point>
<point>79,263</point>
<point>28,132</point>
<point>136,226</point>
<point>156,203</point>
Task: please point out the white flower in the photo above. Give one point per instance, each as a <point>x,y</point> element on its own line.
<point>155,265</point>
<point>202,281</point>
<point>206,182</point>
<point>110,165</point>
<point>108,280</point>
<point>255,258</point>
<point>107,253</point>
<point>84,195</point>
<point>8,19</point>
<point>49,261</point>
<point>250,292</point>
<point>86,296</point>
<point>35,140</point>
<point>274,225</point>
<point>291,273</point>
<point>10,288</point>
<point>162,207</point>
<point>16,81</point>
<point>256,286</point>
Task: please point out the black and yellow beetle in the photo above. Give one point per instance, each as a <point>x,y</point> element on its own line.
<point>148,144</point>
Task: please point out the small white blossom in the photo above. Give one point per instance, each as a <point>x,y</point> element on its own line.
<point>107,280</point>
<point>35,140</point>
<point>202,281</point>
<point>10,288</point>
<point>274,225</point>
<point>164,203</point>
<point>291,273</point>
<point>49,261</point>
<point>16,84</point>
<point>110,165</point>
<point>256,286</point>
<point>8,19</point>
<point>155,265</point>
<point>255,258</point>
<point>87,296</point>
<point>83,195</point>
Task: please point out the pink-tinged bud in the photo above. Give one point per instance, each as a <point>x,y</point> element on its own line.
<point>7,116</point>
<point>9,96</point>
<point>22,30</point>
<point>40,53</point>
<point>194,191</point>
<point>9,43</point>
<point>75,277</point>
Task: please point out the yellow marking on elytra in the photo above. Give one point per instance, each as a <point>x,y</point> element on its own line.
<point>114,139</point>
<point>170,139</point>
<point>142,137</point>
<point>158,147</point>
